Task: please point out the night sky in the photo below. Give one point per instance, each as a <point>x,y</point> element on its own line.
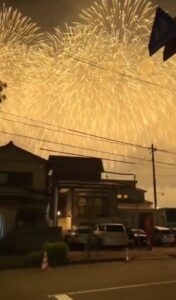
<point>49,13</point>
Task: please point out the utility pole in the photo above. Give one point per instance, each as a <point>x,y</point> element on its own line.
<point>55,208</point>
<point>154,179</point>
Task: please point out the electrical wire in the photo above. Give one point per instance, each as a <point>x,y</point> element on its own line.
<point>42,140</point>
<point>103,158</point>
<point>84,134</point>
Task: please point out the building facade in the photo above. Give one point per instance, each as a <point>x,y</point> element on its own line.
<point>82,197</point>
<point>22,187</point>
<point>64,191</point>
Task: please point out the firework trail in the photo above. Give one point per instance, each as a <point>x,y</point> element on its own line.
<point>15,28</point>
<point>125,20</point>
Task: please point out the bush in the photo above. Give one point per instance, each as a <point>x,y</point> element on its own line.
<point>57,253</point>
<point>34,259</point>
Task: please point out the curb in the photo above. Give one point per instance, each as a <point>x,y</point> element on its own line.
<point>93,260</point>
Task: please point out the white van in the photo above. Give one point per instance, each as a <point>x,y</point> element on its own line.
<point>110,234</point>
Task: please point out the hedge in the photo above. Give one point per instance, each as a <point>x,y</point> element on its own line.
<point>57,253</point>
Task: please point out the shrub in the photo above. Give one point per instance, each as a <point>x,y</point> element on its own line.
<point>57,253</point>
<point>34,259</point>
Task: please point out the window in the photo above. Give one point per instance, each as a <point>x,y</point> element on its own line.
<point>114,228</point>
<point>92,206</point>
<point>82,201</point>
<point>62,204</point>
<point>122,196</point>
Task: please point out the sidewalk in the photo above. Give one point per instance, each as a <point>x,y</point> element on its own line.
<point>133,254</point>
<point>81,257</point>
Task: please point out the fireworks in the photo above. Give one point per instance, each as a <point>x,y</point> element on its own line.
<point>96,76</point>
<point>15,28</point>
<point>126,20</point>
<point>108,82</point>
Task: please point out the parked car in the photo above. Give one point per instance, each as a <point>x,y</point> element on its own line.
<point>81,235</point>
<point>110,234</point>
<point>137,237</point>
<point>162,236</point>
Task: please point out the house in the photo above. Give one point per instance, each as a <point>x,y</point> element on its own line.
<point>64,191</point>
<point>78,195</point>
<point>22,187</point>
<point>66,175</point>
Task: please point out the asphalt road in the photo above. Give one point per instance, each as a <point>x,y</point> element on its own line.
<point>147,279</point>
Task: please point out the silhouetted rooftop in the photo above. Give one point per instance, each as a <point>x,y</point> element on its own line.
<point>75,168</point>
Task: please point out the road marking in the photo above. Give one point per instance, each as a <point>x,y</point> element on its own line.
<point>60,297</point>
<point>121,287</point>
<point>66,297</point>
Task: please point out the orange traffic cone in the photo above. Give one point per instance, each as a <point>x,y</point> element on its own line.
<point>127,257</point>
<point>45,264</point>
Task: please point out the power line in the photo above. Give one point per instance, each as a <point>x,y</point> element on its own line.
<point>42,140</point>
<point>90,149</point>
<point>83,134</point>
<point>103,158</point>
<point>166,151</point>
<point>82,148</point>
<point>80,132</point>
<point>119,73</point>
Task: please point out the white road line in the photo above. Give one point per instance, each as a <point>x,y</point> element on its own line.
<point>60,297</point>
<point>66,297</point>
<point>121,287</point>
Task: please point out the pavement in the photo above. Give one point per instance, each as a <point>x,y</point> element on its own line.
<point>127,255</point>
<point>82,257</point>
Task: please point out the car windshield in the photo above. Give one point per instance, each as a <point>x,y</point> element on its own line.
<point>114,228</point>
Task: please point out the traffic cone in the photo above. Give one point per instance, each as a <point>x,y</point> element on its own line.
<point>127,257</point>
<point>45,264</point>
